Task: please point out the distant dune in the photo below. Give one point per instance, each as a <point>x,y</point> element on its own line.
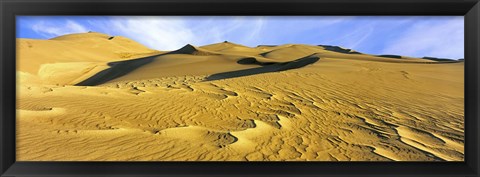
<point>95,97</point>
<point>71,48</point>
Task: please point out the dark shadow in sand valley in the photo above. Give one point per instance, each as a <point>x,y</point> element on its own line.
<point>266,67</point>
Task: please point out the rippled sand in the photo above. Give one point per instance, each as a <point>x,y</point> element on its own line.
<point>346,106</point>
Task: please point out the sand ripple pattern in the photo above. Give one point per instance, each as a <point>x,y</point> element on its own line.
<point>259,117</point>
<point>228,102</point>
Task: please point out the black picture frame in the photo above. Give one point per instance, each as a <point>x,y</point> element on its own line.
<point>470,9</point>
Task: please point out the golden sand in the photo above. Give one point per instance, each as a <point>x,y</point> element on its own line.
<point>228,102</point>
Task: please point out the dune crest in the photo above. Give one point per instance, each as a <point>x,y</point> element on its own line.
<point>82,47</point>
<point>192,50</point>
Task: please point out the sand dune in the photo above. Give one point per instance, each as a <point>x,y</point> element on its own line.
<point>71,48</point>
<point>229,102</point>
<point>232,48</point>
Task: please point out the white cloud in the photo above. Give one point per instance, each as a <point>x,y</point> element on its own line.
<point>218,30</point>
<point>362,37</point>
<point>443,40</point>
<point>171,33</point>
<point>256,30</point>
<point>437,38</point>
<point>354,38</point>
<point>157,33</point>
<point>51,30</point>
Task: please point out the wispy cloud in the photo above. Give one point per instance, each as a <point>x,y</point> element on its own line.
<point>157,33</point>
<point>170,33</point>
<point>409,36</point>
<point>256,30</point>
<point>48,29</point>
<point>362,37</point>
<point>354,38</point>
<point>437,39</point>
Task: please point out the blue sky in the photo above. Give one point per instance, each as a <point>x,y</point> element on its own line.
<point>418,36</point>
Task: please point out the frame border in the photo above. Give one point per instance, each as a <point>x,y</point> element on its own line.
<point>10,8</point>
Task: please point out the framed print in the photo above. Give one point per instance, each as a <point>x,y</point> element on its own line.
<point>240,88</point>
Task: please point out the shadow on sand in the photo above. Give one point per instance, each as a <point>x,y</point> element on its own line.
<point>442,59</point>
<point>339,49</point>
<point>117,69</point>
<point>265,67</point>
<point>390,56</point>
<point>120,68</point>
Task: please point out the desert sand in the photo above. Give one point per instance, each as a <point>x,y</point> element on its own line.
<point>91,97</point>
